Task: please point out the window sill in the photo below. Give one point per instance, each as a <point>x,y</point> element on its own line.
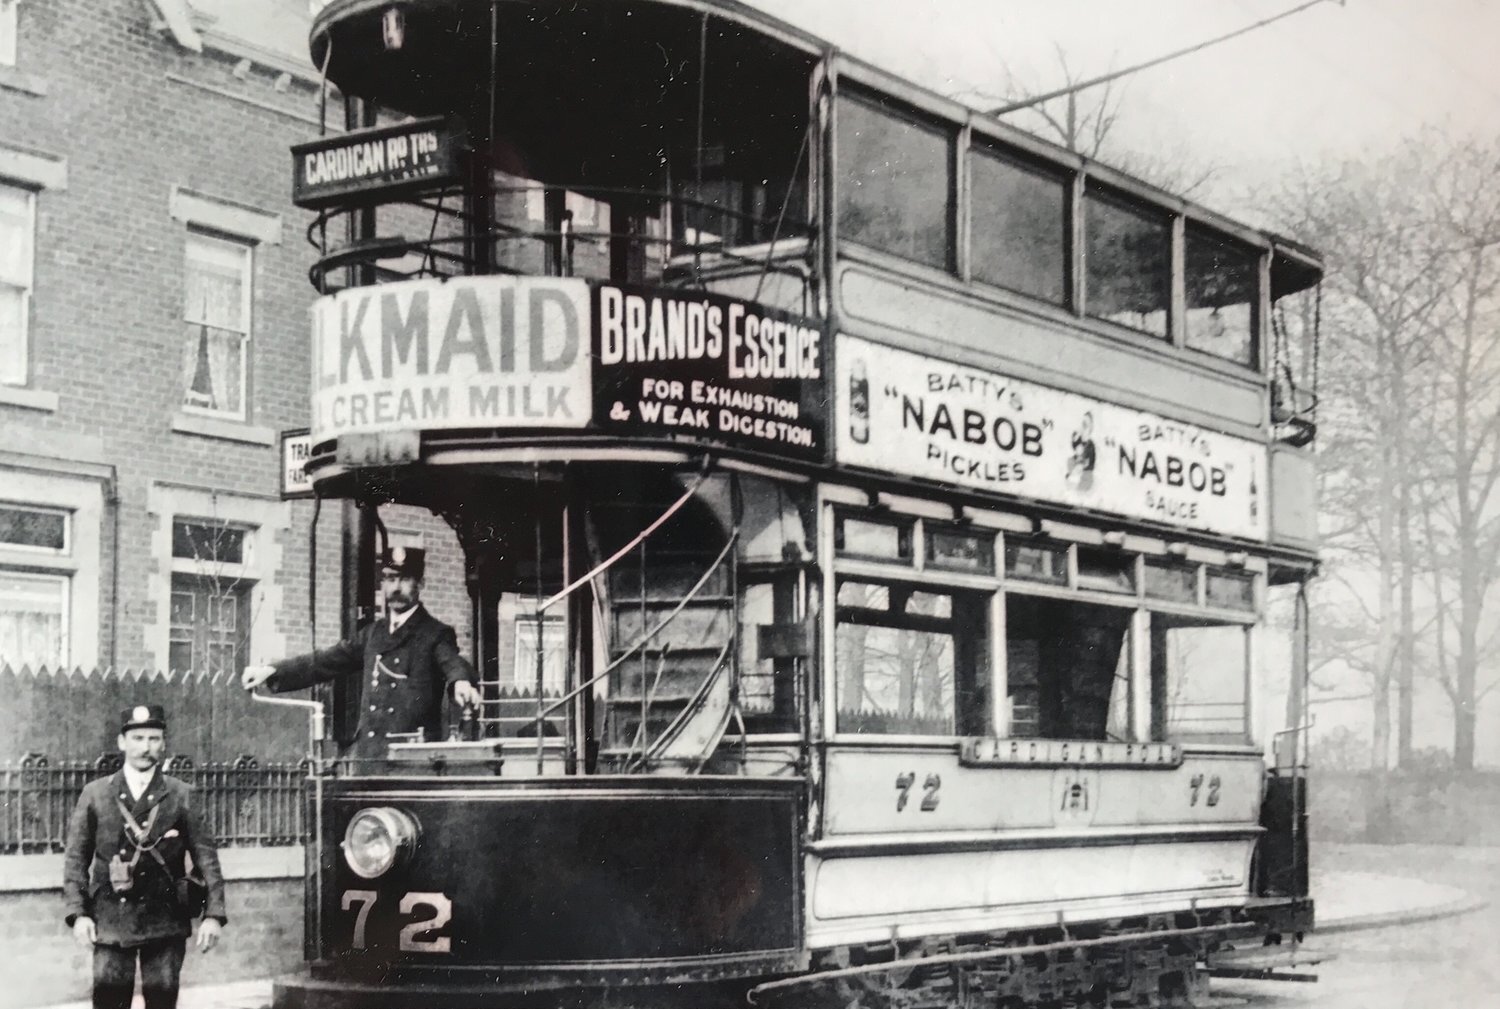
<point>16,80</point>
<point>227,430</point>
<point>30,399</point>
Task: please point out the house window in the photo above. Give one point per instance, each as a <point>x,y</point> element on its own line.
<point>209,628</point>
<point>210,625</point>
<point>16,255</point>
<point>23,527</point>
<point>34,604</point>
<point>215,360</point>
<point>212,542</point>
<point>33,619</point>
<point>552,635</point>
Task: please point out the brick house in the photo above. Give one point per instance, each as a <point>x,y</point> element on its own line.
<point>153,340</point>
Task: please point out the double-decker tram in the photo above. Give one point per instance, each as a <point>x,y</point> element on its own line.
<point>868,515</point>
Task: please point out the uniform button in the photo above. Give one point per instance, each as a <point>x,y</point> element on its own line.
<point>396,661</point>
<point>374,680</point>
<point>370,734</point>
<point>390,711</point>
<point>372,707</point>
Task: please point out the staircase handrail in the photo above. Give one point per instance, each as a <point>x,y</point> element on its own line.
<point>695,703</point>
<point>641,642</point>
<point>640,537</point>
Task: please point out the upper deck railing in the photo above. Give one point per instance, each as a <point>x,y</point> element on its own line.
<point>545,229</point>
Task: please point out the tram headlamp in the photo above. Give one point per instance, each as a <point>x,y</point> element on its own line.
<point>377,839</point>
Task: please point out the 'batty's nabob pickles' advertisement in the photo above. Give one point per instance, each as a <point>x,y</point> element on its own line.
<point>903,413</point>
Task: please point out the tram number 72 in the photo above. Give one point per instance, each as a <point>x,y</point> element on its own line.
<point>930,786</point>
<point>414,933</point>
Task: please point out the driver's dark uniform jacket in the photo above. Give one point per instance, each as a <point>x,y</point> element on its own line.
<point>407,676</point>
<point>147,909</point>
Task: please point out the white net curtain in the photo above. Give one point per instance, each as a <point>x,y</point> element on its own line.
<point>217,316</point>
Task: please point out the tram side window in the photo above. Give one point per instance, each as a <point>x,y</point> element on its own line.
<point>895,180</point>
<point>910,660</point>
<point>1221,280</point>
<point>1199,680</point>
<point>1128,263</point>
<point>1067,669</point>
<point>1019,234</point>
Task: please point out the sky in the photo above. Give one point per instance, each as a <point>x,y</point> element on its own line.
<point>1332,82</point>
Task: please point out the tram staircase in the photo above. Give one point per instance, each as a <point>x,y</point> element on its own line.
<point>677,684</point>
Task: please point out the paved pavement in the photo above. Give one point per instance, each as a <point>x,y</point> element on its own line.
<point>1347,900</point>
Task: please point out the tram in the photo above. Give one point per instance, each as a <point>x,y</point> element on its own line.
<point>868,515</point>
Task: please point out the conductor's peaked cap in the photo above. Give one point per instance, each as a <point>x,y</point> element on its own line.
<point>408,562</point>
<point>143,716</point>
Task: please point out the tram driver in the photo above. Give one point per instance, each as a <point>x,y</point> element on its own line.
<point>411,660</point>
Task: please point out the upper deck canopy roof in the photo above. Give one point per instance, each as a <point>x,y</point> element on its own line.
<point>606,92</point>
<point>592,90</point>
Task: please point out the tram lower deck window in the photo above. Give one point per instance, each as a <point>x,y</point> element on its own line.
<point>1199,680</point>
<point>1067,669</point>
<point>910,660</point>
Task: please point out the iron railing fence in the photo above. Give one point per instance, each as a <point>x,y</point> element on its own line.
<point>244,803</point>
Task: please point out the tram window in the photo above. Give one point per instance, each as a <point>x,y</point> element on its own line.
<point>895,183</point>
<point>1106,571</point>
<point>1173,582</point>
<point>959,549</point>
<point>768,685</point>
<point>1230,590</point>
<point>910,661</point>
<point>876,539</point>
<point>1220,278</point>
<point>1067,669</point>
<point>1018,234</point>
<point>1199,680</point>
<point>1128,264</point>
<point>1036,561</point>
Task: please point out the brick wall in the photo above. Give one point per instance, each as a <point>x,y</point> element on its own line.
<point>264,938</point>
<point>134,117</point>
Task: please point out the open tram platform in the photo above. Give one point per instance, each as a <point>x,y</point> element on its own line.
<point>1348,897</point>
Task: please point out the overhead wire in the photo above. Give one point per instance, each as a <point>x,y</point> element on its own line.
<point>1157,61</point>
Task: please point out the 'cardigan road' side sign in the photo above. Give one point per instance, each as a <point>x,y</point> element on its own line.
<point>699,367</point>
<point>382,161</point>
<point>918,416</point>
<point>469,352</point>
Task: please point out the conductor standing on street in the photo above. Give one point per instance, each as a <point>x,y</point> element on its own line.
<point>126,885</point>
<point>410,661</point>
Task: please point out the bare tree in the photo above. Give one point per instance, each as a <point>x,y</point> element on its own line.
<point>1411,444</point>
<point>1460,200</point>
<point>1085,121</point>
